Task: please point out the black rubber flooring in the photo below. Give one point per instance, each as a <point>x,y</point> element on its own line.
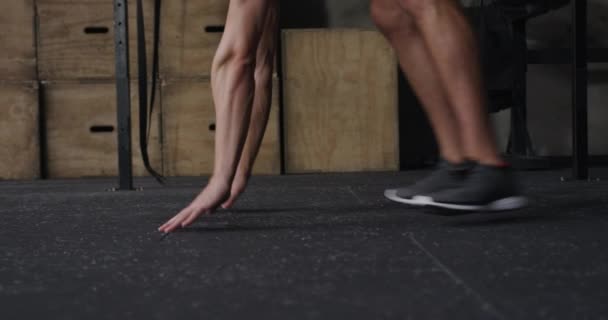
<point>300,247</point>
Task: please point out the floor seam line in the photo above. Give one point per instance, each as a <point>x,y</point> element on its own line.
<point>350,189</point>
<point>486,306</point>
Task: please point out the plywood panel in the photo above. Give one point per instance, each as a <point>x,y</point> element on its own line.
<point>19,136</point>
<point>18,54</point>
<point>190,36</point>
<point>76,40</point>
<point>340,101</point>
<point>81,1</point>
<point>188,115</point>
<point>73,111</point>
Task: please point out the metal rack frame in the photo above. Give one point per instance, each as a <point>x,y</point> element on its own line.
<point>123,95</point>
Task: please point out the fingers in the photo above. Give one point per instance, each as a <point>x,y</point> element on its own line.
<point>211,198</point>
<point>183,219</point>
<point>237,190</point>
<point>229,203</point>
<point>172,224</point>
<point>164,226</point>
<point>192,216</point>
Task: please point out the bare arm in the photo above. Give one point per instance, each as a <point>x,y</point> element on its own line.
<point>261,104</point>
<point>233,85</point>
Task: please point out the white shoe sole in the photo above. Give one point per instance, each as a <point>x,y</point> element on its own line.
<point>511,203</point>
<point>391,194</point>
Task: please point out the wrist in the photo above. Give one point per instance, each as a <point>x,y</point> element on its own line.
<point>221,180</point>
<point>243,172</point>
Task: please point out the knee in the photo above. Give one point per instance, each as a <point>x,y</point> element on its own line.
<point>417,8</point>
<point>384,16</point>
<point>390,18</point>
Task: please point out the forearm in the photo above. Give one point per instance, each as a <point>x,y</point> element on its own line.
<point>233,83</point>
<point>258,122</point>
<point>233,93</point>
<point>265,59</point>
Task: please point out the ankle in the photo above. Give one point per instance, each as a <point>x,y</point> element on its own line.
<point>453,159</point>
<point>493,162</point>
<point>486,157</point>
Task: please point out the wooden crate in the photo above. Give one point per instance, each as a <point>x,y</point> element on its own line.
<point>82,1</point>
<point>19,134</point>
<point>18,54</point>
<point>81,130</point>
<point>188,141</point>
<point>76,39</point>
<point>340,101</point>
<point>190,36</point>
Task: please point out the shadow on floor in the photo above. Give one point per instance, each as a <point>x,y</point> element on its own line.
<point>372,216</point>
<point>531,215</point>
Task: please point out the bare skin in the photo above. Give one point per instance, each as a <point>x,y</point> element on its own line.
<point>437,51</point>
<point>242,90</point>
<point>261,104</point>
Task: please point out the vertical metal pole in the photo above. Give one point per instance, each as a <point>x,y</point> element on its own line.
<point>579,91</point>
<point>123,95</point>
<point>279,62</point>
<point>519,137</point>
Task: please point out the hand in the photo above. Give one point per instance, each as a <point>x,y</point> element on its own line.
<point>214,194</point>
<point>238,186</point>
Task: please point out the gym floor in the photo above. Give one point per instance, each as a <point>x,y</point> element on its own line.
<point>301,247</point>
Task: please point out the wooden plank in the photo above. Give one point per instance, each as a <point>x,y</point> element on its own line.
<point>81,1</point>
<point>19,134</point>
<point>340,101</point>
<point>76,40</point>
<point>18,54</point>
<point>190,36</point>
<point>74,112</point>
<point>188,147</point>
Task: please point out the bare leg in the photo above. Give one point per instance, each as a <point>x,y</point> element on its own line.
<point>233,92</point>
<point>437,49</point>
<point>415,59</point>
<point>452,46</point>
<point>261,102</point>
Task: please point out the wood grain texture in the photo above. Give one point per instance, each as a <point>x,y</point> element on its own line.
<point>67,52</point>
<point>18,54</point>
<point>82,1</point>
<point>187,47</point>
<point>340,101</point>
<point>72,109</point>
<point>19,135</point>
<point>188,146</point>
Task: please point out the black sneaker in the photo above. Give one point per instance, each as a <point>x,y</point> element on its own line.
<point>486,188</point>
<point>446,176</point>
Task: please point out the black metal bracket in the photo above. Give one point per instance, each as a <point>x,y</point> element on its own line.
<point>580,133</point>
<point>123,95</point>
<point>578,56</point>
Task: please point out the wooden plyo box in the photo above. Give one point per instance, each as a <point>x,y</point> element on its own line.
<point>76,39</point>
<point>18,54</point>
<point>81,130</point>
<point>340,101</point>
<point>19,134</point>
<point>191,33</point>
<point>188,129</point>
